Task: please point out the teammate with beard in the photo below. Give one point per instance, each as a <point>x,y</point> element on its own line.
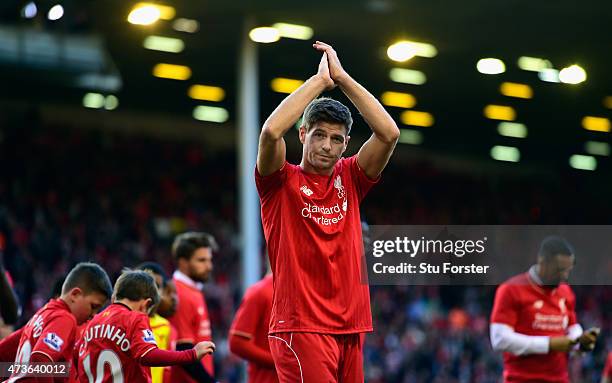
<point>192,252</point>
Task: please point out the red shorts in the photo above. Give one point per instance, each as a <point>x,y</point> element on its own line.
<point>317,358</point>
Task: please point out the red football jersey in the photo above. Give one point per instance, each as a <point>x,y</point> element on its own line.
<point>191,322</point>
<point>252,321</point>
<point>535,310</point>
<point>313,231</point>
<point>112,345</point>
<point>607,372</point>
<point>51,332</point>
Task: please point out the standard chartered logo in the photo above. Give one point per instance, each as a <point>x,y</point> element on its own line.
<point>323,215</point>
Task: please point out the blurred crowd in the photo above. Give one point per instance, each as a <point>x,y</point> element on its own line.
<point>69,195</point>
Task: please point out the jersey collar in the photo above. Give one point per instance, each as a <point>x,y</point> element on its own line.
<point>533,274</point>
<point>537,282</point>
<point>179,276</point>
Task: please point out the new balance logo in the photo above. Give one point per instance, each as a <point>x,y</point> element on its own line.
<point>306,191</point>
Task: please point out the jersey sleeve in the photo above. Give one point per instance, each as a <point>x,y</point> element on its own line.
<point>142,339</point>
<point>248,315</point>
<point>505,308</point>
<point>56,338</point>
<point>361,182</point>
<point>266,185</point>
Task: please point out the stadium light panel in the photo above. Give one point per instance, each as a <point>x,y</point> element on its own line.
<point>398,99</point>
<point>210,114</point>
<point>505,153</point>
<point>111,102</point>
<point>172,72</point>
<point>404,50</point>
<point>164,44</point>
<point>549,75</point>
<point>264,35</point>
<point>149,13</point>
<point>596,124</point>
<point>56,12</point>
<point>186,25</point>
<point>29,11</point>
<point>285,85</point>
<point>206,93</point>
<point>513,89</point>
<point>582,162</point>
<point>414,118</point>
<point>144,15</point>
<point>166,12</point>
<point>401,51</point>
<point>500,112</point>
<point>597,148</point>
<point>294,31</point>
<point>490,66</point>
<point>424,49</point>
<point>407,76</point>
<point>93,100</point>
<point>533,64</point>
<point>409,136</point>
<point>512,129</point>
<point>572,74</point>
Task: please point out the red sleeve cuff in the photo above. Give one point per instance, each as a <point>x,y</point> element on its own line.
<point>160,358</point>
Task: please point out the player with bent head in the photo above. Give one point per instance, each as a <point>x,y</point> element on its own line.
<point>534,321</point>
<point>118,342</point>
<point>49,337</point>
<point>311,220</point>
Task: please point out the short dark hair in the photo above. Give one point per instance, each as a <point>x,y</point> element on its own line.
<point>136,285</point>
<point>187,243</point>
<point>327,110</point>
<point>554,245</point>
<point>90,278</point>
<point>155,268</point>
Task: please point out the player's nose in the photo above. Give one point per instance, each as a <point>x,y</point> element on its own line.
<point>327,145</point>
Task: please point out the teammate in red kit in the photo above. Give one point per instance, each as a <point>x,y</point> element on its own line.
<point>249,332</point>
<point>118,344</point>
<point>311,220</point>
<point>606,376</point>
<point>192,253</point>
<point>534,320</point>
<point>50,335</point>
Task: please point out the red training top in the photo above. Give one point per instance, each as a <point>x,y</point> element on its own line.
<point>191,322</point>
<point>607,372</point>
<point>313,231</point>
<point>535,310</point>
<point>252,321</point>
<point>49,336</point>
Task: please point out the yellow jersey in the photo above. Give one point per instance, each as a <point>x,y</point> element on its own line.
<point>162,331</point>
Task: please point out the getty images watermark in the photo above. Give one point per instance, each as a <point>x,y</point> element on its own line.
<point>478,255</point>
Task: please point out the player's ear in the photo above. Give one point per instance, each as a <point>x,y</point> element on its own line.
<point>346,141</point>
<point>75,292</point>
<point>302,133</point>
<point>147,304</point>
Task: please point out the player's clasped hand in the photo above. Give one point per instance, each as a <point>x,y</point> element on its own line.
<point>335,72</point>
<point>204,348</point>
